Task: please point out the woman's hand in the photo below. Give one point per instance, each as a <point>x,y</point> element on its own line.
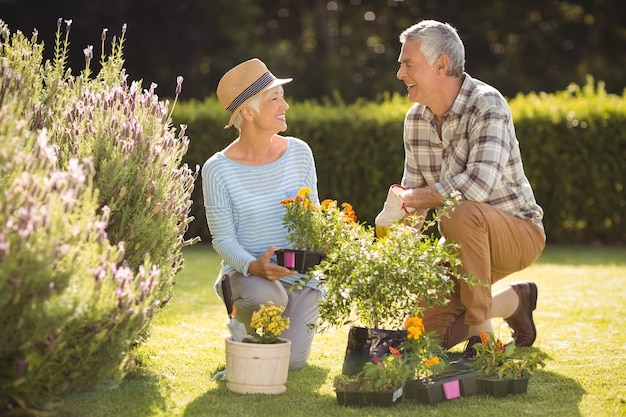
<point>262,267</point>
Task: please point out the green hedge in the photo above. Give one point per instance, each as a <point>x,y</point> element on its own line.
<point>574,148</point>
<point>573,143</point>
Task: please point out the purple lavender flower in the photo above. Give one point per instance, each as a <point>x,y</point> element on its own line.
<point>179,84</point>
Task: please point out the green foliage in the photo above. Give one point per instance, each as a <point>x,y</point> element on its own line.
<point>387,373</point>
<point>423,351</point>
<point>498,360</point>
<point>574,149</point>
<point>317,229</point>
<point>348,45</point>
<point>573,144</point>
<point>377,283</point>
<point>93,209</point>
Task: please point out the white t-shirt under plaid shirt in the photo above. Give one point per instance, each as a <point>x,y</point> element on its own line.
<point>477,155</point>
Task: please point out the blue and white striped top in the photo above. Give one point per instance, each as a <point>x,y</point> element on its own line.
<point>242,203</point>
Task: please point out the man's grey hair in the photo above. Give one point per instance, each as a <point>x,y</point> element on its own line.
<point>435,39</point>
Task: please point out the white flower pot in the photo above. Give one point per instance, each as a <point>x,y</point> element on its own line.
<point>253,368</point>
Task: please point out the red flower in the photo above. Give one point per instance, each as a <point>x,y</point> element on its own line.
<point>395,352</point>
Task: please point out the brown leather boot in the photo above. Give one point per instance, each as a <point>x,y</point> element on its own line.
<point>465,361</point>
<point>524,331</point>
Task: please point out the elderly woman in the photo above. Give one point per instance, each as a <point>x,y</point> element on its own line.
<point>243,185</point>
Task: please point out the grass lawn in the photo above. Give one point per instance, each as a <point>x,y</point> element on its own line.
<point>580,322</point>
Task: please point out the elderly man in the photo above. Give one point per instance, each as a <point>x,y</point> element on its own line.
<point>459,137</point>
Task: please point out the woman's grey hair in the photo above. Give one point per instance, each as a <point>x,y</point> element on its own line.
<point>437,38</point>
<point>254,104</point>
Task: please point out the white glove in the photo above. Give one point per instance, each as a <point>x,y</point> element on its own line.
<point>394,209</point>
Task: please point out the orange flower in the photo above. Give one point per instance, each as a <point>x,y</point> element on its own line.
<point>326,204</point>
<point>287,201</point>
<point>414,327</point>
<point>484,338</point>
<point>348,212</point>
<point>432,361</point>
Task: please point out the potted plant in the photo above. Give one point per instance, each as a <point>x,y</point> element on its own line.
<point>380,382</point>
<point>500,371</point>
<point>260,363</point>
<point>375,283</point>
<point>313,230</point>
<point>430,381</point>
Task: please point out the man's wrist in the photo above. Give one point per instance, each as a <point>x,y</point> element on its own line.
<point>422,198</point>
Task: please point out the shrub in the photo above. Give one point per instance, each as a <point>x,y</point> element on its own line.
<point>573,144</point>
<point>574,148</point>
<point>93,209</point>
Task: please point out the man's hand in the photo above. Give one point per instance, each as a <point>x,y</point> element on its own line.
<point>421,198</point>
<point>262,267</point>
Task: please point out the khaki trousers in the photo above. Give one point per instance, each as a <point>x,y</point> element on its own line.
<point>493,244</point>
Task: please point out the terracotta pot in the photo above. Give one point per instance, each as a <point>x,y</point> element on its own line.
<point>253,368</point>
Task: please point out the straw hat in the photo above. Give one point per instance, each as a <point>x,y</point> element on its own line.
<point>242,83</point>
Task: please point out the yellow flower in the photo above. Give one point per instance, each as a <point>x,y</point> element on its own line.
<point>304,192</point>
<point>269,322</point>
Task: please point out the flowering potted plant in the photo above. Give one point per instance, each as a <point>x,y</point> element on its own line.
<point>260,363</point>
<point>425,355</point>
<point>313,231</point>
<point>377,282</point>
<point>373,284</point>
<point>500,370</point>
<point>430,382</point>
<point>380,382</point>
<point>269,324</point>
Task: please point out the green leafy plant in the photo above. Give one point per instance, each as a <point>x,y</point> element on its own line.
<point>380,282</point>
<point>318,229</point>
<point>269,324</point>
<point>386,373</point>
<point>495,359</point>
<point>94,203</point>
<point>423,351</point>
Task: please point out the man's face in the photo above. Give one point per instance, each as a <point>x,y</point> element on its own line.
<point>417,74</point>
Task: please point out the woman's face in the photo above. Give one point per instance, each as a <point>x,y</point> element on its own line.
<point>271,115</point>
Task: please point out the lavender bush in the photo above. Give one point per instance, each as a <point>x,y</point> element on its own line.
<point>94,205</point>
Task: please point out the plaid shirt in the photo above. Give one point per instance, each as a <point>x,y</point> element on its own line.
<point>477,155</point>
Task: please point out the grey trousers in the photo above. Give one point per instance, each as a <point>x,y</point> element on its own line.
<point>300,306</point>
